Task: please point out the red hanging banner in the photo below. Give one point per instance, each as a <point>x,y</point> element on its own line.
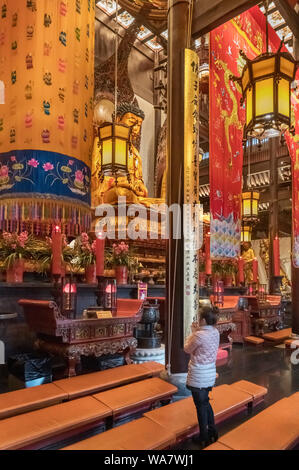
<point>246,32</point>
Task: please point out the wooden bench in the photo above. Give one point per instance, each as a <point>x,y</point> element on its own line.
<point>99,381</point>
<point>136,397</point>
<point>278,337</point>
<point>43,427</point>
<point>291,343</point>
<point>53,424</point>
<point>141,434</point>
<point>181,417</point>
<point>254,340</point>
<point>257,391</point>
<point>175,422</point>
<point>275,428</point>
<point>29,399</point>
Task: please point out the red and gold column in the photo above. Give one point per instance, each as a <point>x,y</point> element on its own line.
<point>47,66</point>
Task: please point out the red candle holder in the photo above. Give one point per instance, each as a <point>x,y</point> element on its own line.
<point>219,293</point>
<point>69,296</point>
<point>107,295</point>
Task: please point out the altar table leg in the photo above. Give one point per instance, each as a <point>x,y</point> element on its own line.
<point>71,367</point>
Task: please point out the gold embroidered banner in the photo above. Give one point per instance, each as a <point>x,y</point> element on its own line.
<point>191,214</point>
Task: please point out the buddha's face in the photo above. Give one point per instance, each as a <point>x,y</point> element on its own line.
<point>133,121</point>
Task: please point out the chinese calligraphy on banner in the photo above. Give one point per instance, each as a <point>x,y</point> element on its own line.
<point>192,227</point>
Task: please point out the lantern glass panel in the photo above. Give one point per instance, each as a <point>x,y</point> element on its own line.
<point>287,67</point>
<point>105,132</point>
<point>248,106</point>
<point>246,234</point>
<point>254,207</point>
<point>245,79</point>
<point>247,206</point>
<point>122,131</point>
<point>120,152</point>
<point>107,152</point>
<point>284,97</point>
<point>264,97</point>
<point>263,67</point>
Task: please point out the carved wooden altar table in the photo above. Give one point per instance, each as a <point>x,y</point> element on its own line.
<point>73,338</point>
<point>225,324</point>
<point>266,314</point>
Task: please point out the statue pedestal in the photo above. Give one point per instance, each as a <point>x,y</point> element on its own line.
<point>146,355</point>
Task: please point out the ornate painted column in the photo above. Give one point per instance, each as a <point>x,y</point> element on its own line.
<point>47,66</point>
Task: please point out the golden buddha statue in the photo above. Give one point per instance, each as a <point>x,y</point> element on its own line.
<point>248,256</point>
<point>131,186</point>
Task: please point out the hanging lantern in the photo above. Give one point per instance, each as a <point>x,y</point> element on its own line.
<point>266,89</point>
<point>246,233</point>
<point>114,149</point>
<point>250,201</point>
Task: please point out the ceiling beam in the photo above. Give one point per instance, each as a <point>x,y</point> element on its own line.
<point>209,14</point>
<point>289,15</point>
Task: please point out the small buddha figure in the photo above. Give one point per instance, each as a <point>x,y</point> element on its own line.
<point>131,186</point>
<point>248,256</point>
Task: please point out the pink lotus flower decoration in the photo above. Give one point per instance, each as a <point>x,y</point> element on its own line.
<point>48,166</point>
<point>4,170</point>
<point>79,175</point>
<point>34,163</point>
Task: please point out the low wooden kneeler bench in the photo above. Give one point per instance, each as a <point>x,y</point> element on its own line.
<point>278,337</point>
<point>141,434</point>
<point>55,423</point>
<point>275,428</point>
<point>43,427</point>
<point>178,420</point>
<point>227,400</point>
<point>99,381</point>
<point>257,391</point>
<point>136,397</point>
<point>291,343</point>
<point>29,399</point>
<point>254,340</point>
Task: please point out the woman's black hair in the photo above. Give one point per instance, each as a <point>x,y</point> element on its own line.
<point>209,314</point>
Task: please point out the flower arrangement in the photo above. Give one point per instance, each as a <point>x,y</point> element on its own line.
<point>85,251</point>
<point>120,254</point>
<point>42,253</point>
<point>14,247</point>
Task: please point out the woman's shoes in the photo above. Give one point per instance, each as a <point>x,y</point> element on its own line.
<point>213,436</point>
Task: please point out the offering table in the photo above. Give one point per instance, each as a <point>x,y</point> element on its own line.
<point>73,338</point>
